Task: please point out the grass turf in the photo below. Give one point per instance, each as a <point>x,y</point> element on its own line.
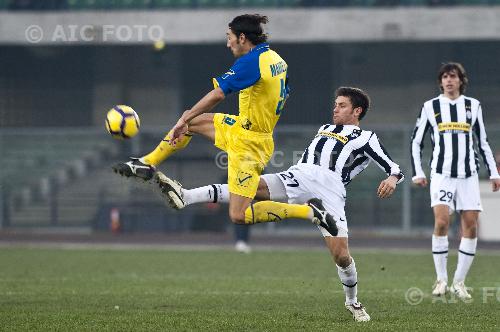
<point>217,290</point>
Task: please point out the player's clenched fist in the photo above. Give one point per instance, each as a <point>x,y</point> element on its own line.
<point>422,182</point>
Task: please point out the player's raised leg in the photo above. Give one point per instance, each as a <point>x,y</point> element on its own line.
<point>348,275</point>
<point>241,208</point>
<point>179,197</point>
<point>270,211</point>
<point>243,181</point>
<point>145,167</point>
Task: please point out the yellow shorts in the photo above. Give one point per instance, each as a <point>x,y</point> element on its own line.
<point>248,153</point>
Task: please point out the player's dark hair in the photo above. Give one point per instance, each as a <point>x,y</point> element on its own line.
<point>450,67</point>
<point>358,98</point>
<point>251,26</point>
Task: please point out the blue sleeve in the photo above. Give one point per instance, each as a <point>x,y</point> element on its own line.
<point>287,87</point>
<point>244,73</point>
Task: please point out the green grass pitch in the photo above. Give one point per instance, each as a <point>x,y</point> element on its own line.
<point>220,290</point>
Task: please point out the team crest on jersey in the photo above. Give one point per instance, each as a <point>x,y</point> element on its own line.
<point>355,133</point>
<point>247,124</point>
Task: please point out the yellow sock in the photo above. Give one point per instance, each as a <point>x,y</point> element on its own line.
<point>269,211</point>
<point>165,150</point>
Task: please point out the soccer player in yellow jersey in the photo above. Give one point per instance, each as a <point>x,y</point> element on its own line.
<point>260,76</point>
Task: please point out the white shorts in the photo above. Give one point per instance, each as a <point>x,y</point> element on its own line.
<point>302,182</point>
<point>458,194</point>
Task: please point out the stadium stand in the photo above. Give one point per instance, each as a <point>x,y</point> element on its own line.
<point>187,4</point>
<point>37,165</point>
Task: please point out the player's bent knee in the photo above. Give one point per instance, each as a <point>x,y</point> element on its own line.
<point>262,193</point>
<point>203,125</point>
<point>237,217</point>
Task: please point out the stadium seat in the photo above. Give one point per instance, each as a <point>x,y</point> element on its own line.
<point>134,4</point>
<point>258,3</point>
<point>474,2</point>
<point>81,4</point>
<point>289,3</point>
<point>119,4</point>
<point>216,3</point>
<point>4,4</point>
<point>414,2</point>
<point>367,3</point>
<point>173,3</point>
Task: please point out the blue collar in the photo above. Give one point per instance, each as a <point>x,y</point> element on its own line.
<point>259,47</point>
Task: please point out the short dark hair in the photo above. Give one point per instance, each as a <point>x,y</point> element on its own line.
<point>358,98</point>
<point>251,26</point>
<point>453,66</point>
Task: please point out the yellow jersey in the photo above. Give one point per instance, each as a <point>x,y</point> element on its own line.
<point>261,78</point>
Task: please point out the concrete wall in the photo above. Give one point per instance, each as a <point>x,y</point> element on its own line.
<point>81,66</point>
<point>75,85</point>
<point>286,25</point>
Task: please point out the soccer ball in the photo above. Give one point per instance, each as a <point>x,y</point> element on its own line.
<point>122,122</point>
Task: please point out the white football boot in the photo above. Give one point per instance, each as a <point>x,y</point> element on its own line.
<point>243,247</point>
<point>460,291</point>
<point>171,189</point>
<point>358,312</point>
<point>440,288</point>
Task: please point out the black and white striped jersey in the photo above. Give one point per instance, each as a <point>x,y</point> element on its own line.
<point>347,150</point>
<point>452,123</point>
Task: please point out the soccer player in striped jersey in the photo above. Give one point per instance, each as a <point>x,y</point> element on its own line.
<point>336,154</point>
<point>452,118</point>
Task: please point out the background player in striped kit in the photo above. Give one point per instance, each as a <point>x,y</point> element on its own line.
<point>452,118</point>
<point>334,157</point>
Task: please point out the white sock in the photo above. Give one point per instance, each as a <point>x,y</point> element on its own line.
<point>349,279</point>
<point>214,193</point>
<point>466,253</point>
<point>440,255</point>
